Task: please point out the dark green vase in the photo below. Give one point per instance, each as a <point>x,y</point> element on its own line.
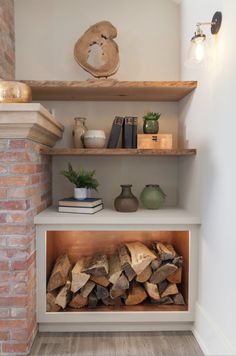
<point>150,126</point>
<point>126,202</point>
<point>152,197</point>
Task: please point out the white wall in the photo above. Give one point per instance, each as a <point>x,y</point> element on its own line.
<point>46,31</point>
<point>148,39</point>
<point>207,184</point>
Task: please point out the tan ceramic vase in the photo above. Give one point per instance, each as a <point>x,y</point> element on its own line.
<point>79,131</point>
<point>14,92</point>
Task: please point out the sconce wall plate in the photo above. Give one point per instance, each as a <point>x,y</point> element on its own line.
<point>216,22</point>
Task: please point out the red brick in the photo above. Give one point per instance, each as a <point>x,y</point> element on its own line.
<point>13,229</point>
<point>19,143</point>
<point>23,192</point>
<point>4,266</point>
<point>4,335</point>
<point>19,335</point>
<point>18,241</point>
<point>15,347</point>
<point>35,179</point>
<point>4,276</point>
<point>24,168</point>
<point>14,156</point>
<point>13,323</point>
<point>3,193</point>
<point>14,181</point>
<point>4,290</point>
<point>3,241</point>
<point>21,276</point>
<point>2,217</point>
<point>3,169</point>
<point>23,265</point>
<point>13,301</point>
<point>14,205</point>
<point>16,217</point>
<point>20,289</point>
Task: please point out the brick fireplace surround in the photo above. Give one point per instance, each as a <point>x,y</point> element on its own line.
<point>25,190</point>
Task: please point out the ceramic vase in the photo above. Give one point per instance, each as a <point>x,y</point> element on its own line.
<point>79,131</point>
<point>152,197</point>
<point>80,193</point>
<point>126,202</point>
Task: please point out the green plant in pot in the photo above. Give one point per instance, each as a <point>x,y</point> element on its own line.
<point>151,123</point>
<point>83,181</point>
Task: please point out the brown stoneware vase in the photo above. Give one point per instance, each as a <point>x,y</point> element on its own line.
<point>126,202</point>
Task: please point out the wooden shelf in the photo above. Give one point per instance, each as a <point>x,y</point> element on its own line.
<point>117,152</point>
<point>110,90</point>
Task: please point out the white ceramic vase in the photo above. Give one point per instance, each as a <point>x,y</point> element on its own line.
<point>94,139</point>
<point>80,193</point>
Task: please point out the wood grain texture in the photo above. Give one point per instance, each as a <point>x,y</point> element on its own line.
<point>110,90</point>
<point>171,343</point>
<point>118,152</point>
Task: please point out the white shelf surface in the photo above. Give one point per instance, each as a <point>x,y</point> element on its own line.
<point>166,216</point>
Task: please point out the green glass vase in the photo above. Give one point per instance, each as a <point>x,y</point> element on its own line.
<point>150,126</point>
<point>152,197</point>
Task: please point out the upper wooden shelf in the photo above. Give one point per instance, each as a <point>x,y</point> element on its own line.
<point>117,152</point>
<point>110,90</point>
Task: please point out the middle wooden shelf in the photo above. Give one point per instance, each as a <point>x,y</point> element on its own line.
<point>118,152</point>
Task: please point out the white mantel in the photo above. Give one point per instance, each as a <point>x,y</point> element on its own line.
<point>31,121</point>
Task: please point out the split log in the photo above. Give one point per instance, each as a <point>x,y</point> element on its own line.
<point>102,280</point>
<point>162,286</point>
<point>115,269</point>
<point>170,290</point>
<point>165,251</point>
<point>145,275</point>
<point>136,296</point>
<point>64,295</point>
<point>176,277</point>
<point>125,262</point>
<point>92,300</point>
<point>178,299</point>
<point>51,302</point>
<point>59,274</point>
<point>152,290</point>
<point>162,273</point>
<point>116,293</point>
<point>101,292</point>
<point>117,302</point>
<point>155,264</point>
<point>96,265</point>
<point>87,289</point>
<point>121,283</point>
<point>78,301</point>
<point>165,300</point>
<point>178,261</point>
<point>101,33</point>
<point>141,256</point>
<point>79,279</point>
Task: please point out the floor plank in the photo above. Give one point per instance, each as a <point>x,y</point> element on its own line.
<point>117,344</point>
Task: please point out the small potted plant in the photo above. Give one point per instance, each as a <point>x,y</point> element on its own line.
<point>83,181</point>
<point>151,124</point>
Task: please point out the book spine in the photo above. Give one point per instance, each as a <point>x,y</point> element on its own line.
<point>127,132</point>
<point>115,132</point>
<point>134,132</point>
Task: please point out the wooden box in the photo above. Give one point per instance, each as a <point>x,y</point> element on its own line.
<point>158,141</point>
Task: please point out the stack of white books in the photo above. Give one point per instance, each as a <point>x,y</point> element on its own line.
<point>86,206</point>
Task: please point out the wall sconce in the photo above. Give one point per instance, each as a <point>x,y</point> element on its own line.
<point>198,47</point>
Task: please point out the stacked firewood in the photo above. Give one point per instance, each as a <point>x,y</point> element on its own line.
<point>134,274</point>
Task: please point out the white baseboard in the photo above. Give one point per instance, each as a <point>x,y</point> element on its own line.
<point>111,327</point>
<point>210,338</point>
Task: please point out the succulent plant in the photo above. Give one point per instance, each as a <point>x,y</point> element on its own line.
<point>152,116</point>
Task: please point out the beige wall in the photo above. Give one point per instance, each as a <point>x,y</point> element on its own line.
<point>148,39</point>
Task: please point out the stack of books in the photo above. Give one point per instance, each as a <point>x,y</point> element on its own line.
<point>128,127</point>
<point>87,206</point>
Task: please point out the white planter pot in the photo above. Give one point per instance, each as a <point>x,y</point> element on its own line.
<point>80,193</point>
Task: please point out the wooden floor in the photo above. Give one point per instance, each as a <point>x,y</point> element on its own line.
<point>117,344</point>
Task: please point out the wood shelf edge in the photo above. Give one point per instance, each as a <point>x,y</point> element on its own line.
<point>118,152</point>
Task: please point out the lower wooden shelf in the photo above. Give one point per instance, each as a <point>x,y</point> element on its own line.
<point>118,152</point>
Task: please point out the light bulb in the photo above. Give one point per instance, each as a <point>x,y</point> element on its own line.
<point>197,52</point>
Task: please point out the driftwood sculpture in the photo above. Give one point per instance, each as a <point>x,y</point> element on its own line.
<point>102,34</point>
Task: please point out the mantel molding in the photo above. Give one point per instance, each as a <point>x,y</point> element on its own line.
<point>31,121</point>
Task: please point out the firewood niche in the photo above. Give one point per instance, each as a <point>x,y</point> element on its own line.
<point>131,271</point>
